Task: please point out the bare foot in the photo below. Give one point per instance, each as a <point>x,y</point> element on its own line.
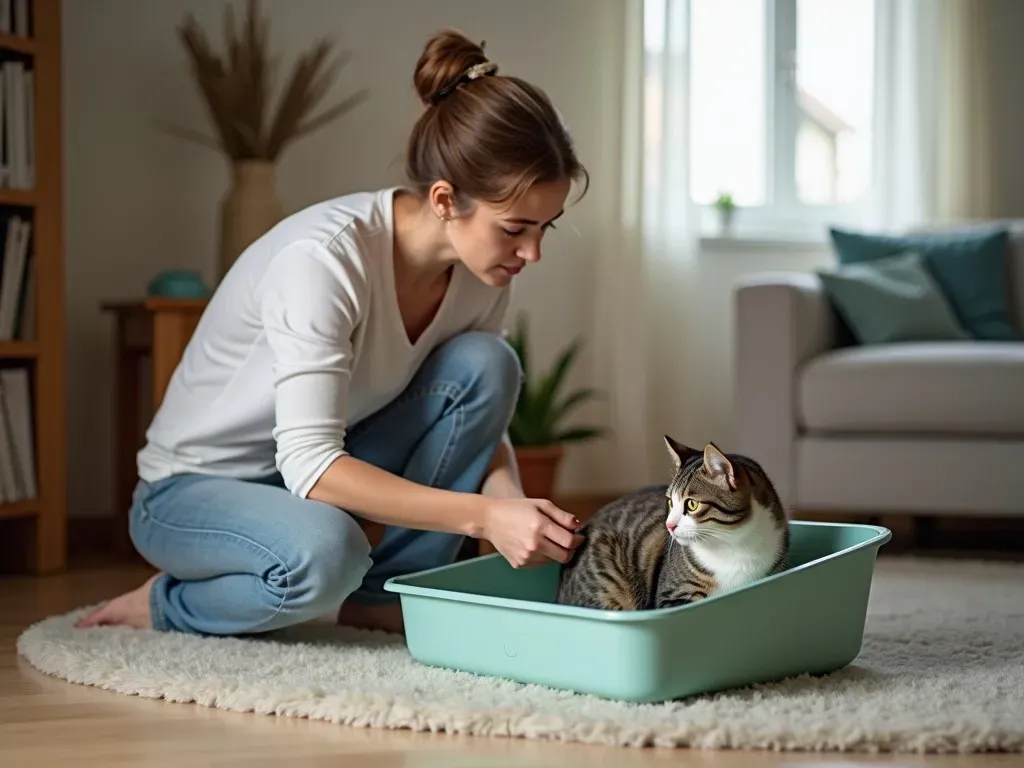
<point>130,610</point>
<point>384,617</point>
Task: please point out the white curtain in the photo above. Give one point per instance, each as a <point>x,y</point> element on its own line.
<point>965,155</point>
<point>621,317</point>
<point>938,166</point>
<point>670,227</point>
<point>645,282</point>
<point>910,113</point>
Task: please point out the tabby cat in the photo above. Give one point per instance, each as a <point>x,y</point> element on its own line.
<point>719,524</point>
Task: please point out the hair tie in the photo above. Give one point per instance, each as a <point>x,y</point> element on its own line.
<point>477,70</point>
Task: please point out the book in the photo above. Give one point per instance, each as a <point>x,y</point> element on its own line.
<point>17,444</point>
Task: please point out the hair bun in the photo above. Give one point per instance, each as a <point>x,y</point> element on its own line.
<point>447,55</point>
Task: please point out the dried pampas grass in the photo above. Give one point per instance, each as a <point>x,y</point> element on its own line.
<point>236,92</point>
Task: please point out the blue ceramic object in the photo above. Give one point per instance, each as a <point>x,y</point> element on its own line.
<point>178,284</point>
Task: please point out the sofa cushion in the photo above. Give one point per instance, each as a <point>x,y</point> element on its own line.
<point>956,387</point>
<point>970,265</point>
<point>892,299</point>
<point>1014,261</point>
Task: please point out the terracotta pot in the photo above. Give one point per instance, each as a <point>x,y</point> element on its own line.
<point>248,209</point>
<point>538,469</point>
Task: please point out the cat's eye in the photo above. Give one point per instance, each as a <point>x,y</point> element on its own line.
<point>691,505</point>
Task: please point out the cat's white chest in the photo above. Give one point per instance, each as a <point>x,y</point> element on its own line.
<point>734,569</point>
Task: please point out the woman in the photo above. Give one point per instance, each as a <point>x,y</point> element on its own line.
<point>349,365</point>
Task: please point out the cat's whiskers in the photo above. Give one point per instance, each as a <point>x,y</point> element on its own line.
<point>694,536</point>
<point>714,533</point>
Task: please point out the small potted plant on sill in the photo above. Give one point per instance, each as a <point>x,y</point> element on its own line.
<point>538,430</point>
<point>726,207</point>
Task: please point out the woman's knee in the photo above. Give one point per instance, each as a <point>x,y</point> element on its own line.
<point>486,365</point>
<point>326,562</point>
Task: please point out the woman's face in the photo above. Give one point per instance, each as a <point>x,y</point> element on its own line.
<point>496,242</point>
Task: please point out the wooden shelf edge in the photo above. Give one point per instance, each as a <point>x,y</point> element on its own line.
<point>15,349</point>
<point>25,197</point>
<point>19,43</point>
<point>155,304</point>
<point>26,508</point>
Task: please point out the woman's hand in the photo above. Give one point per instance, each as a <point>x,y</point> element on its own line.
<point>530,531</point>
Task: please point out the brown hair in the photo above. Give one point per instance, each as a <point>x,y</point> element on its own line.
<point>491,137</point>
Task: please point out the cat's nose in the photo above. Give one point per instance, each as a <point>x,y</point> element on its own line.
<point>671,526</point>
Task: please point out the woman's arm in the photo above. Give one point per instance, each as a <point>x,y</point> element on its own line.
<point>502,479</point>
<point>382,497</point>
<point>525,531</point>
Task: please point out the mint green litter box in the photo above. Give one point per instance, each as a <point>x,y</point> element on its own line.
<point>485,617</point>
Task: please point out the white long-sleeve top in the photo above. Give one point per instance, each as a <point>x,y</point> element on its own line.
<point>302,338</point>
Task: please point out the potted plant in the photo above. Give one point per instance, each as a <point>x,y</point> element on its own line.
<point>538,430</point>
<point>726,206</point>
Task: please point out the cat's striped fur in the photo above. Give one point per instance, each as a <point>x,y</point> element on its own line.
<point>719,524</point>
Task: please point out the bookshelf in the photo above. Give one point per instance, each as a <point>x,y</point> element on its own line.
<point>33,437</point>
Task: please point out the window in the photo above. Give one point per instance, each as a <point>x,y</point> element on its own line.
<point>783,105</point>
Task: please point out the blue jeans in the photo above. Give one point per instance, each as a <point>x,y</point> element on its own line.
<point>246,556</point>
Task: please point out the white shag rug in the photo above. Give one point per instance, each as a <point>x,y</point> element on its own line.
<point>941,670</point>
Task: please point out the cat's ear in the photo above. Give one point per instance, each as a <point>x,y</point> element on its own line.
<point>678,452</point>
<point>717,464</point>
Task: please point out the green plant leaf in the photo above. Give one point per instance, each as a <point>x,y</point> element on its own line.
<point>516,433</point>
<point>525,409</point>
<point>579,434</point>
<point>526,432</point>
<point>578,397</point>
<point>518,341</point>
<point>552,383</point>
<point>539,409</point>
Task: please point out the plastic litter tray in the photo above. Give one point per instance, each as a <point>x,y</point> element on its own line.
<point>485,617</point>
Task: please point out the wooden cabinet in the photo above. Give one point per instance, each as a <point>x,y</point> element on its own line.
<point>153,330</point>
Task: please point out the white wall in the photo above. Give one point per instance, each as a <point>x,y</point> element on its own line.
<point>139,201</point>
<point>700,366</point>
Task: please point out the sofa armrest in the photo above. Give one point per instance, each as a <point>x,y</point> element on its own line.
<point>782,319</point>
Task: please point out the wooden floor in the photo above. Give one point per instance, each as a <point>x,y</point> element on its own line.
<point>45,721</point>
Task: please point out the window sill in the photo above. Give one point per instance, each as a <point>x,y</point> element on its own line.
<point>772,243</point>
<point>798,231</point>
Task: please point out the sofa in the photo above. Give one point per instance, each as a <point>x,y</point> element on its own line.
<point>916,427</point>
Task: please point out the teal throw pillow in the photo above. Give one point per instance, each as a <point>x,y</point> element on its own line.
<point>970,267</point>
<point>894,299</point>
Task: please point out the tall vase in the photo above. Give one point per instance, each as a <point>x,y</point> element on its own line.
<point>248,209</point>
